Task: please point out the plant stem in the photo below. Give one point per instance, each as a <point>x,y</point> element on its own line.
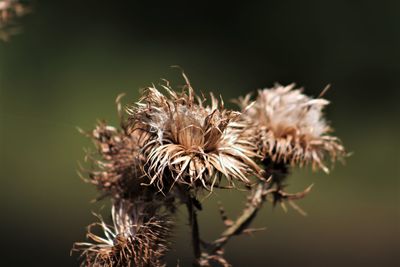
<point>195,230</point>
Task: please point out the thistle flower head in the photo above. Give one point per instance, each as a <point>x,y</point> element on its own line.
<point>9,11</point>
<point>291,127</point>
<point>136,238</point>
<point>190,142</point>
<point>117,169</point>
<point>117,166</point>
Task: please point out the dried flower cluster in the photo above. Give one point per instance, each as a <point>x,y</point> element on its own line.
<point>10,10</point>
<point>172,146</point>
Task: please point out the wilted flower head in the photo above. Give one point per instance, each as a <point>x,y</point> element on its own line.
<point>9,11</point>
<point>117,167</point>
<point>192,143</point>
<point>136,238</point>
<point>291,127</point>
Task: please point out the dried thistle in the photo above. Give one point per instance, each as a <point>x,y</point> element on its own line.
<point>178,139</point>
<point>10,10</point>
<point>117,170</point>
<point>117,167</point>
<point>291,127</point>
<point>192,143</point>
<point>136,238</point>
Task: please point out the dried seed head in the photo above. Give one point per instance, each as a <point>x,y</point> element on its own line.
<point>189,142</point>
<point>9,11</point>
<point>117,169</point>
<point>291,127</point>
<point>136,238</point>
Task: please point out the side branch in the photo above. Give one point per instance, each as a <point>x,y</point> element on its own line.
<point>256,200</point>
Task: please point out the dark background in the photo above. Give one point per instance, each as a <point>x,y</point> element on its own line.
<point>74,57</point>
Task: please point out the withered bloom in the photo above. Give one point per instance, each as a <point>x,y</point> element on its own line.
<point>190,142</point>
<point>9,11</point>
<point>117,167</point>
<point>291,127</point>
<point>117,170</point>
<point>136,238</point>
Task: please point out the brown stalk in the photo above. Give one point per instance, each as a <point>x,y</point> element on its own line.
<point>195,230</point>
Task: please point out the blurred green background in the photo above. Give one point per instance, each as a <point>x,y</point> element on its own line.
<point>74,57</point>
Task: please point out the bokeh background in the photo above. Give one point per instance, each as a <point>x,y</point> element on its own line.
<point>74,57</point>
